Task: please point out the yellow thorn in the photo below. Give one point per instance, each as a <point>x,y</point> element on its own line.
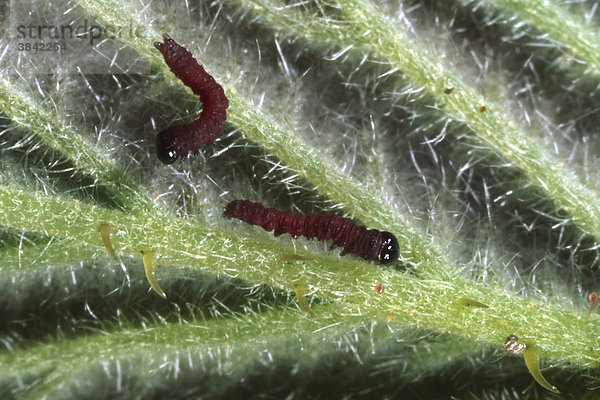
<point>151,275</point>
<point>106,229</point>
<point>466,302</point>
<point>532,356</point>
<point>300,289</point>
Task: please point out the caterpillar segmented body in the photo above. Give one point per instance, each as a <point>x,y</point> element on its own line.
<point>180,140</point>
<point>370,244</point>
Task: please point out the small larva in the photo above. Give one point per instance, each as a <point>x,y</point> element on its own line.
<point>179,140</point>
<point>370,244</point>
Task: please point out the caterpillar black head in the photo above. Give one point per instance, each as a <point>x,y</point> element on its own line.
<point>389,249</point>
<point>164,148</point>
<point>168,47</point>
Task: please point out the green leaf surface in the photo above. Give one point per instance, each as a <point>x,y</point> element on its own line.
<point>432,120</point>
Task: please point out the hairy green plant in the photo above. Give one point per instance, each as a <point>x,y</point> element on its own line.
<point>459,146</point>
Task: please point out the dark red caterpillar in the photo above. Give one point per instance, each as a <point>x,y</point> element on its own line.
<point>180,140</point>
<point>370,244</point>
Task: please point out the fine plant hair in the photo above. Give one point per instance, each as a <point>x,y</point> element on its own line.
<point>466,128</point>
